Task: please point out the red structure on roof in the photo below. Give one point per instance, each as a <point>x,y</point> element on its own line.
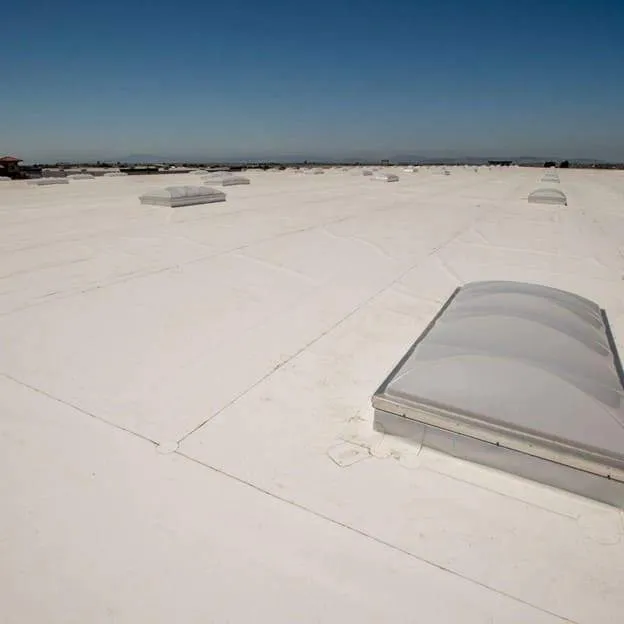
<point>9,167</point>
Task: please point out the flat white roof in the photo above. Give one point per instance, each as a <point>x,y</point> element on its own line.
<point>186,427</point>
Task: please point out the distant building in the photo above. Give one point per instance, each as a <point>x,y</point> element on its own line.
<point>9,167</point>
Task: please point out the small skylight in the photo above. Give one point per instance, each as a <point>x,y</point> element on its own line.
<point>235,181</point>
<point>385,177</point>
<point>48,181</point>
<point>548,196</point>
<point>175,196</point>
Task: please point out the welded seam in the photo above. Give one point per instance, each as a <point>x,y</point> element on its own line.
<point>291,357</point>
<point>294,504</point>
<point>373,538</point>
<point>77,408</point>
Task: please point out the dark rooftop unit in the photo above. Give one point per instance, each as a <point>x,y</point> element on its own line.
<point>10,167</point>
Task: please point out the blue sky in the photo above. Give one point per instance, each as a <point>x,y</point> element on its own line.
<point>327,79</point>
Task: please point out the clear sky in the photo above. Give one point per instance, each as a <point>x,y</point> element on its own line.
<point>324,78</point>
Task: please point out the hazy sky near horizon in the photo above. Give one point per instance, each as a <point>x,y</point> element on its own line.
<point>333,79</point>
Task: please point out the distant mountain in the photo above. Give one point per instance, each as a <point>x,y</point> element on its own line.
<point>144,159</point>
<point>362,157</point>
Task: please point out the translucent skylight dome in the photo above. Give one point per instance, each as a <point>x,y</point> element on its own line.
<point>522,377</point>
<point>548,196</point>
<point>235,181</point>
<point>385,177</point>
<point>174,196</point>
<point>216,176</point>
<point>48,181</point>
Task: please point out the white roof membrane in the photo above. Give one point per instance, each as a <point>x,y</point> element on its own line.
<point>175,196</point>
<point>249,335</point>
<point>526,368</point>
